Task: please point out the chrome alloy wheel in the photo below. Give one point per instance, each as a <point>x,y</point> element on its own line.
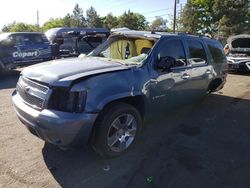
<point>122,132</point>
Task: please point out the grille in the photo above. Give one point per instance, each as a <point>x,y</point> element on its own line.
<point>35,85</point>
<point>31,92</point>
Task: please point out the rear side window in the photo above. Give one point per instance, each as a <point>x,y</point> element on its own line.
<point>216,51</point>
<point>197,53</point>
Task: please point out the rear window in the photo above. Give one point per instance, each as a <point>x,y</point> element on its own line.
<point>216,51</point>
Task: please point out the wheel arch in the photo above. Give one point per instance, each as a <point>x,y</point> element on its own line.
<point>135,101</point>
<point>214,85</point>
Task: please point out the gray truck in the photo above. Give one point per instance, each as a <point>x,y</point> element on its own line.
<point>103,98</point>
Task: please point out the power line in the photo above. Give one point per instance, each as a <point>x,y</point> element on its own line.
<point>159,10</point>
<point>160,16</point>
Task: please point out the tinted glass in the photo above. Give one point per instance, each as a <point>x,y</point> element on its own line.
<point>173,48</point>
<point>68,44</point>
<point>88,44</point>
<point>197,54</point>
<point>216,51</point>
<point>19,40</point>
<point>33,39</point>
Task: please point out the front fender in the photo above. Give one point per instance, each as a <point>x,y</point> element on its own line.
<point>105,88</point>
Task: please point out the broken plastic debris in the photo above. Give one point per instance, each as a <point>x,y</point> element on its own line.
<point>106,168</point>
<point>149,179</point>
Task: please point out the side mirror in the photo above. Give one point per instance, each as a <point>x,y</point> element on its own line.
<point>166,63</point>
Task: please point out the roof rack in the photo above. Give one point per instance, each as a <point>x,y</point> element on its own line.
<point>119,29</point>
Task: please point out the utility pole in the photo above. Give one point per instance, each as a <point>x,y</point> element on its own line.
<point>37,17</point>
<point>175,2</point>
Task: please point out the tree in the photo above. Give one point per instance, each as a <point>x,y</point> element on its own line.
<point>78,16</point>
<point>158,24</point>
<point>7,28</point>
<point>231,16</point>
<point>110,21</point>
<point>196,16</point>
<point>52,23</point>
<point>69,21</point>
<point>20,27</point>
<point>132,21</point>
<point>93,19</point>
<point>226,17</point>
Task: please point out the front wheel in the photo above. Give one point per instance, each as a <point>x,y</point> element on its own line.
<point>117,129</point>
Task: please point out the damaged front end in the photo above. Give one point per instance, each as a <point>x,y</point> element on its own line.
<point>239,54</point>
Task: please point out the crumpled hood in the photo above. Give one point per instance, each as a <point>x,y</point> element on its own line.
<point>62,72</point>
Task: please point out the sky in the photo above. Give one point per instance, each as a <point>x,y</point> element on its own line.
<point>26,10</point>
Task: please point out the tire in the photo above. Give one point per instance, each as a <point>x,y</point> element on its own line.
<point>117,129</point>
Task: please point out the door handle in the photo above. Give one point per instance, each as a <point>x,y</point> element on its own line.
<point>208,71</point>
<point>185,76</point>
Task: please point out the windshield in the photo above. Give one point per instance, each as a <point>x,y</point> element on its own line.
<point>125,50</point>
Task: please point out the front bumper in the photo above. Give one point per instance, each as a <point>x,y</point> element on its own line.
<point>241,67</point>
<point>60,128</point>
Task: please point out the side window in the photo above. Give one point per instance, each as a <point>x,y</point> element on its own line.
<point>33,39</point>
<point>216,51</point>
<point>68,44</point>
<point>173,49</point>
<point>197,53</point>
<point>19,40</point>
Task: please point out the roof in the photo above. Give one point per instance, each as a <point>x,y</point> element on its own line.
<point>25,33</point>
<point>149,34</point>
<point>60,30</point>
<point>6,34</point>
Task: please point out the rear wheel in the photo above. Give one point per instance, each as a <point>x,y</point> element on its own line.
<point>117,130</point>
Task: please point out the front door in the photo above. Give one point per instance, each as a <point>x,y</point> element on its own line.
<point>168,87</point>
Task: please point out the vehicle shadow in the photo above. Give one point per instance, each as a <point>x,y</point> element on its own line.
<point>8,79</point>
<point>200,145</point>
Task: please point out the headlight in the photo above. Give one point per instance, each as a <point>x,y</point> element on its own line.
<point>76,101</point>
<point>67,101</point>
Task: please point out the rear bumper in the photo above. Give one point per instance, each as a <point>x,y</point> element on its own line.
<point>59,128</point>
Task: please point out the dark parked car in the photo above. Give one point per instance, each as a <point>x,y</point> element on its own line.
<point>239,53</point>
<point>70,42</point>
<point>104,97</point>
<point>23,48</point>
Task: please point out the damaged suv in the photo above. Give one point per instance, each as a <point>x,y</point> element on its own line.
<point>239,53</point>
<point>103,98</point>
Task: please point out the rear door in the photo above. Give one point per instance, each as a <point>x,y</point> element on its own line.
<point>201,70</point>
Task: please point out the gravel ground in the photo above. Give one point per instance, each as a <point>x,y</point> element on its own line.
<point>206,144</point>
